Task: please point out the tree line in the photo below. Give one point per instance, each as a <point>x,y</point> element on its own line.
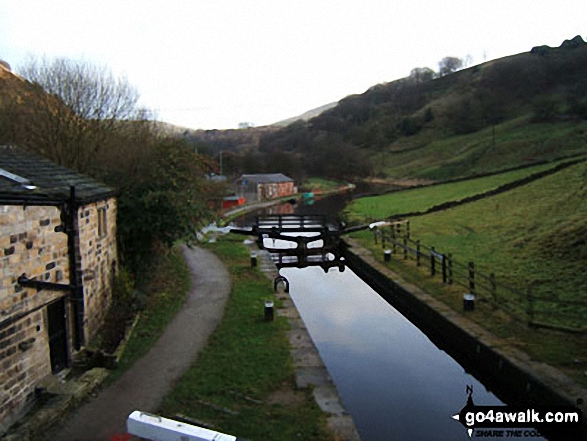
<point>387,117</point>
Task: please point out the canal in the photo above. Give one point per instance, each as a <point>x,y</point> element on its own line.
<point>396,383</point>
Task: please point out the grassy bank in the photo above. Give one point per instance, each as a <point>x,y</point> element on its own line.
<point>166,289</point>
<point>533,235</point>
<point>562,350</point>
<point>421,199</point>
<point>243,381</point>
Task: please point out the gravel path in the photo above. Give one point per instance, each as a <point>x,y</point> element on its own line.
<point>147,382</point>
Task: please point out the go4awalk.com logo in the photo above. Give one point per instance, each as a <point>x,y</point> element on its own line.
<point>514,421</point>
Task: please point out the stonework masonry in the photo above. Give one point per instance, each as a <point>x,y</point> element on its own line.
<point>97,245</point>
<point>30,245</point>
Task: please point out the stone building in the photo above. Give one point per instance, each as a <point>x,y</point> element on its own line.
<point>261,187</point>
<point>57,262</point>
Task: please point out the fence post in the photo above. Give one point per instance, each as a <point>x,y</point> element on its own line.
<point>444,278</point>
<point>529,306</point>
<point>450,269</point>
<point>408,228</point>
<point>405,247</point>
<point>432,262</point>
<point>472,277</point>
<point>418,252</point>
<point>382,239</point>
<point>493,283</point>
<point>393,238</point>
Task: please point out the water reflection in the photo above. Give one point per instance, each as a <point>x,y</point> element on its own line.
<point>394,381</point>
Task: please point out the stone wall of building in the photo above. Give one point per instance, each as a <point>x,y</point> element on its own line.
<point>97,243</point>
<point>29,245</point>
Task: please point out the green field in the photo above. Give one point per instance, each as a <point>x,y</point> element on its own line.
<point>534,235</point>
<point>421,199</point>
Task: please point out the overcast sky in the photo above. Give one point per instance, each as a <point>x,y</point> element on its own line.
<point>217,63</point>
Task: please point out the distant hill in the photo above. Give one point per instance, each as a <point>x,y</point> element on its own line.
<point>514,110</point>
<point>305,116</point>
<point>18,97</point>
<point>511,111</point>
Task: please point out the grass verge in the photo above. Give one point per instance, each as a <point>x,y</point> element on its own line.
<point>167,290</point>
<point>243,382</point>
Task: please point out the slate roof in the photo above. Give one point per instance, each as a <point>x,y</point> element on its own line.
<point>52,182</point>
<point>265,178</point>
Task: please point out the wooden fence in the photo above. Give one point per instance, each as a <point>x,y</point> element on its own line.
<point>537,310</point>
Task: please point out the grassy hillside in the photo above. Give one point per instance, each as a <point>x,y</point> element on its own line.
<point>532,236</point>
<point>422,199</point>
<point>535,234</point>
<point>507,112</point>
<point>304,116</point>
<point>515,110</point>
<point>518,141</point>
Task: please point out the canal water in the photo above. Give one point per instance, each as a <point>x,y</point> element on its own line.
<point>394,381</point>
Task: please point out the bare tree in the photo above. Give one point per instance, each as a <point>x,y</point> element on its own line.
<point>77,110</point>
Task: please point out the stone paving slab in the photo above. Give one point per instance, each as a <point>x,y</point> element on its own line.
<point>299,338</point>
<point>312,376</point>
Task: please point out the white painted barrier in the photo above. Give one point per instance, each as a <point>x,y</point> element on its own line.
<point>154,427</point>
<point>379,224</point>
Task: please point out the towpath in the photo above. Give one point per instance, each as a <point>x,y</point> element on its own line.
<point>145,384</point>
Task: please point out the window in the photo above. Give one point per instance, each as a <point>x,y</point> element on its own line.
<point>102,222</point>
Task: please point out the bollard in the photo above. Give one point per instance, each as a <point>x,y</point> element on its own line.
<point>253,260</point>
<point>387,255</point>
<point>468,302</point>
<point>268,310</point>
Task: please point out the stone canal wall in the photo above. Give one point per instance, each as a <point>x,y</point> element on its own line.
<point>506,371</point>
<point>310,371</point>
